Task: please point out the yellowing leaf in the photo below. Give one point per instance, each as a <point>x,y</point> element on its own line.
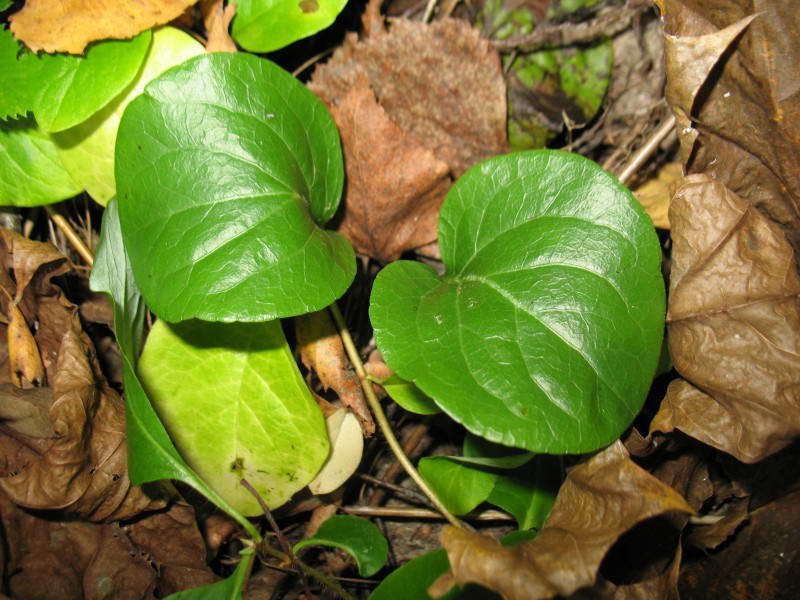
<point>347,443</point>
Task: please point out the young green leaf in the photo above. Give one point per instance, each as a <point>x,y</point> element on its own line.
<point>226,168</point>
<point>529,491</point>
<point>234,403</point>
<point>230,588</point>
<point>267,25</point>
<point>461,487</point>
<point>545,330</point>
<point>412,580</point>
<point>355,535</point>
<point>151,454</point>
<point>63,90</point>
<point>31,173</point>
<point>409,396</point>
<point>87,150</point>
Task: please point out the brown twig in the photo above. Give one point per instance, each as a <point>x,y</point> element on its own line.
<point>410,495</point>
<point>646,150</point>
<point>609,22</point>
<point>72,237</point>
<point>409,446</point>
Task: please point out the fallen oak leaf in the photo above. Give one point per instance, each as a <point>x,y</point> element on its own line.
<point>217,20</point>
<point>69,25</point>
<point>601,499</point>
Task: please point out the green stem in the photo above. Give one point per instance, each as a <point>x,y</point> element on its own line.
<point>318,575</point>
<point>383,422</point>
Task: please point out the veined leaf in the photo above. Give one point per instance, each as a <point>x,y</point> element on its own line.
<point>87,150</point>
<point>226,168</point>
<point>461,487</point>
<point>409,396</point>
<point>63,90</point>
<point>234,403</point>
<point>267,25</point>
<point>528,492</point>
<point>31,173</point>
<point>359,537</point>
<point>411,580</point>
<point>545,330</point>
<point>151,454</point>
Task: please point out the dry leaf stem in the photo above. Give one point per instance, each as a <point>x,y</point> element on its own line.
<point>383,422</point>
<point>326,581</point>
<point>646,150</point>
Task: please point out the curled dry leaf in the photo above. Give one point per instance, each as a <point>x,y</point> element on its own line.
<point>347,447</point>
<point>217,20</point>
<point>84,470</point>
<point>734,325</point>
<point>24,361</point>
<point>600,500</point>
<point>26,412</point>
<point>747,114</point>
<point>321,350</point>
<point>415,126</point>
<point>69,25</point>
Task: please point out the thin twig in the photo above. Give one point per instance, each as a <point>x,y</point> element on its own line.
<point>72,237</point>
<point>646,150</point>
<point>284,544</point>
<point>411,495</point>
<point>410,447</point>
<point>429,8</point>
<point>401,512</point>
<point>609,22</point>
<point>383,422</point>
<point>311,61</point>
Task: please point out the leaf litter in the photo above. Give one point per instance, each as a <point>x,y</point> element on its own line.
<point>721,446</point>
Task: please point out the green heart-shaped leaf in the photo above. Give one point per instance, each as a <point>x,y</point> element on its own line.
<point>363,540</point>
<point>267,25</point>
<point>63,90</point>
<point>236,407</point>
<point>545,330</point>
<point>226,168</point>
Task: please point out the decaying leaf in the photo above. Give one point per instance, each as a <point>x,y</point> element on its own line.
<point>217,20</point>
<point>24,361</point>
<point>600,500</point>
<point>394,186</point>
<point>84,470</point>
<point>322,351</point>
<point>655,194</point>
<point>734,325</point>
<point>747,112</point>
<point>431,95</point>
<point>26,411</point>
<point>175,547</point>
<point>69,25</point>
<point>347,446</point>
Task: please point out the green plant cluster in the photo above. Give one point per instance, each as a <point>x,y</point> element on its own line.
<point>541,337</point>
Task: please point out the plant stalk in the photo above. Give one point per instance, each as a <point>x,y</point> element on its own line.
<point>383,422</point>
<point>318,575</point>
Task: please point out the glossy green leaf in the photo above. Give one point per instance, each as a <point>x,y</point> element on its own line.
<point>63,90</point>
<point>226,168</point>
<point>31,173</point>
<point>544,332</point>
<point>5,4</point>
<point>87,150</point>
<point>461,487</point>
<point>412,580</point>
<point>151,454</point>
<point>234,403</point>
<point>355,535</point>
<point>267,25</point>
<point>529,491</point>
<point>409,396</point>
<point>230,588</point>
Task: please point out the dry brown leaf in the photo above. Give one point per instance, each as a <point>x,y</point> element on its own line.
<point>747,114</point>
<point>600,500</point>
<point>414,104</point>
<point>322,351</point>
<point>734,325</point>
<point>50,559</point>
<point>84,470</point>
<point>27,412</point>
<point>217,20</point>
<point>24,361</point>
<point>655,194</point>
<point>175,547</point>
<point>69,25</point>
<point>394,186</point>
